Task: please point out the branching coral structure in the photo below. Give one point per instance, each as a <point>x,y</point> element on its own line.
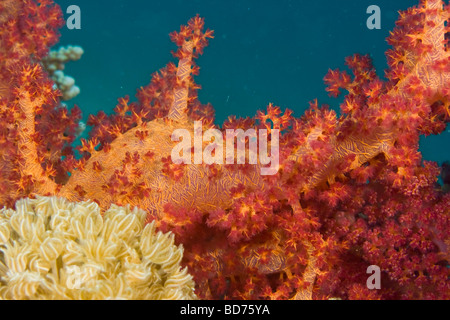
<point>54,64</point>
<point>351,191</point>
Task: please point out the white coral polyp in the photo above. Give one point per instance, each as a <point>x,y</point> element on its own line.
<point>51,248</point>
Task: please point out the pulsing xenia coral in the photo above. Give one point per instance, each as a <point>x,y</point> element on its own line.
<point>351,191</point>
<point>55,249</point>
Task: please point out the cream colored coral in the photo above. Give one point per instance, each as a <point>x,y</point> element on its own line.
<point>51,248</point>
<point>55,62</point>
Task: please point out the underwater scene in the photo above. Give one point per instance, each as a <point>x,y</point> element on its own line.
<point>224,150</point>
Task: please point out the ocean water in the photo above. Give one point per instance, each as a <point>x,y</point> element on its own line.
<point>263,51</point>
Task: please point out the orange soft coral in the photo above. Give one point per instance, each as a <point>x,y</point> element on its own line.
<point>232,221</point>
<point>36,130</point>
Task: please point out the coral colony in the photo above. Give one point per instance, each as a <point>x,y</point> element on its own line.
<point>350,196</point>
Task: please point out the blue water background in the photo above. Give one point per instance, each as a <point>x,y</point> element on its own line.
<point>263,51</point>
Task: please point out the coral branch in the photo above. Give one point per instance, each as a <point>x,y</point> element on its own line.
<point>36,130</point>
<point>191,41</point>
<point>27,147</point>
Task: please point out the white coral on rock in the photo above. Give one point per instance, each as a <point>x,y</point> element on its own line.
<point>51,248</point>
<point>55,63</point>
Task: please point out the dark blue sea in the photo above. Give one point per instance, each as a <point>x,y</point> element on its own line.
<point>263,51</point>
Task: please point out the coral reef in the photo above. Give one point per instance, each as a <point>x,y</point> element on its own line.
<point>351,190</point>
<point>55,249</point>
